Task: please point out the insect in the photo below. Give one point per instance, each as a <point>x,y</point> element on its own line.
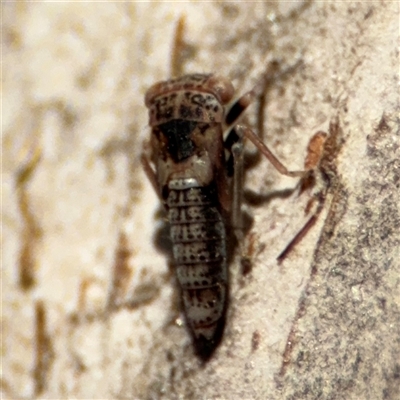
<point>194,160</point>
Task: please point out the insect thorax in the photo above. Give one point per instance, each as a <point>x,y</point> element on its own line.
<point>187,119</point>
<point>187,149</point>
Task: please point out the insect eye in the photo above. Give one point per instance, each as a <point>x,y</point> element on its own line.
<point>222,88</point>
<point>152,92</point>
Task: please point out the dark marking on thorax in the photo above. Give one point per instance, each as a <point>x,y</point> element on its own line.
<point>177,134</point>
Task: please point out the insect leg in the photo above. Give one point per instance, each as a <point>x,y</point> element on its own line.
<point>315,152</point>
<point>303,231</point>
<point>239,107</point>
<point>234,114</point>
<point>262,147</point>
<point>259,90</point>
<point>237,153</point>
<point>150,173</point>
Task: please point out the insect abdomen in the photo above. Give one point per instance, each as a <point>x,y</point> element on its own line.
<point>199,250</point>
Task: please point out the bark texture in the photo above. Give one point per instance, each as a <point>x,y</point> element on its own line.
<point>89,306</point>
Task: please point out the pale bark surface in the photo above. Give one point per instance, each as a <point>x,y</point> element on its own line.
<point>89,306</point>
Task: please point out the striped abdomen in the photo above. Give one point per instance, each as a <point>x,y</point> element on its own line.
<point>199,250</point>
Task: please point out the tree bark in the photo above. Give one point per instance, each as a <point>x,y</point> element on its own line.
<point>90,306</point>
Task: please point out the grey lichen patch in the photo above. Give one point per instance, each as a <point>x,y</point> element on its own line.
<point>351,307</point>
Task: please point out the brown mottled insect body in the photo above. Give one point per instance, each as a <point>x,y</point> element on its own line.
<point>186,116</point>
<point>198,177</point>
<point>199,250</point>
